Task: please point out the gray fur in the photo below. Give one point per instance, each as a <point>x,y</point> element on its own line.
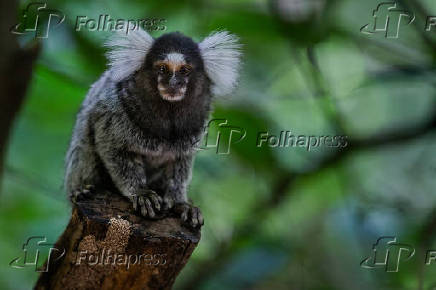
<point>129,139</point>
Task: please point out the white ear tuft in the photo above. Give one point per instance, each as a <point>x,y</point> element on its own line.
<point>127,52</point>
<point>222,57</point>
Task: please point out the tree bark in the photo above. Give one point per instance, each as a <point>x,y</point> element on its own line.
<point>108,246</point>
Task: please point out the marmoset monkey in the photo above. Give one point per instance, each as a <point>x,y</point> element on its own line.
<point>140,123</point>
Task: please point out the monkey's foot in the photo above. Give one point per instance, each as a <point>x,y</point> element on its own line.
<point>148,202</point>
<point>190,215</point>
<point>168,202</point>
<point>82,193</point>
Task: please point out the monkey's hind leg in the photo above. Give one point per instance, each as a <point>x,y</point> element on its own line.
<point>82,193</point>
<point>83,175</point>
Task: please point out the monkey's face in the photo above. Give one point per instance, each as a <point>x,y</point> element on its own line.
<point>174,69</point>
<point>173,74</point>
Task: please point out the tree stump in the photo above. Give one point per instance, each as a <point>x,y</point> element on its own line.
<point>107,245</point>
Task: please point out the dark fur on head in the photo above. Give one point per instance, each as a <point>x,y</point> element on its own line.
<point>175,42</point>
<point>158,116</point>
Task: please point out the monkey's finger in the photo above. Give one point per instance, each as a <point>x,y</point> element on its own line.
<point>134,200</point>
<point>200,218</point>
<point>144,211</point>
<point>158,197</point>
<point>194,217</point>
<point>184,215</point>
<point>155,200</point>
<point>149,207</point>
<point>142,206</point>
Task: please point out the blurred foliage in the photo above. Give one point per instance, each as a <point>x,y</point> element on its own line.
<point>276,218</point>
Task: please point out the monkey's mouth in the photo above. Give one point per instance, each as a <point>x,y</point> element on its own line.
<point>172,94</point>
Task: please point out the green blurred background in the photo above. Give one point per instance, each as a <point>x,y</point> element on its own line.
<point>275,218</point>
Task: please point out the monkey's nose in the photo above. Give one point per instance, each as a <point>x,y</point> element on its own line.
<point>175,83</point>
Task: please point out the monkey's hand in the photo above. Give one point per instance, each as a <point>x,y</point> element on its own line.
<point>190,215</point>
<point>148,202</point>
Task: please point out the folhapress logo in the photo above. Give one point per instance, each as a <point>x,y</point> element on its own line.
<point>220,136</point>
<point>35,252</point>
<point>37,18</point>
<point>388,254</point>
<point>387,19</point>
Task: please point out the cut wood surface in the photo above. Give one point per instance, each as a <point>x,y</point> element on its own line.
<point>107,245</point>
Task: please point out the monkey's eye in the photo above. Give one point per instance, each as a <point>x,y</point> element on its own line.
<point>185,70</point>
<point>162,68</point>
